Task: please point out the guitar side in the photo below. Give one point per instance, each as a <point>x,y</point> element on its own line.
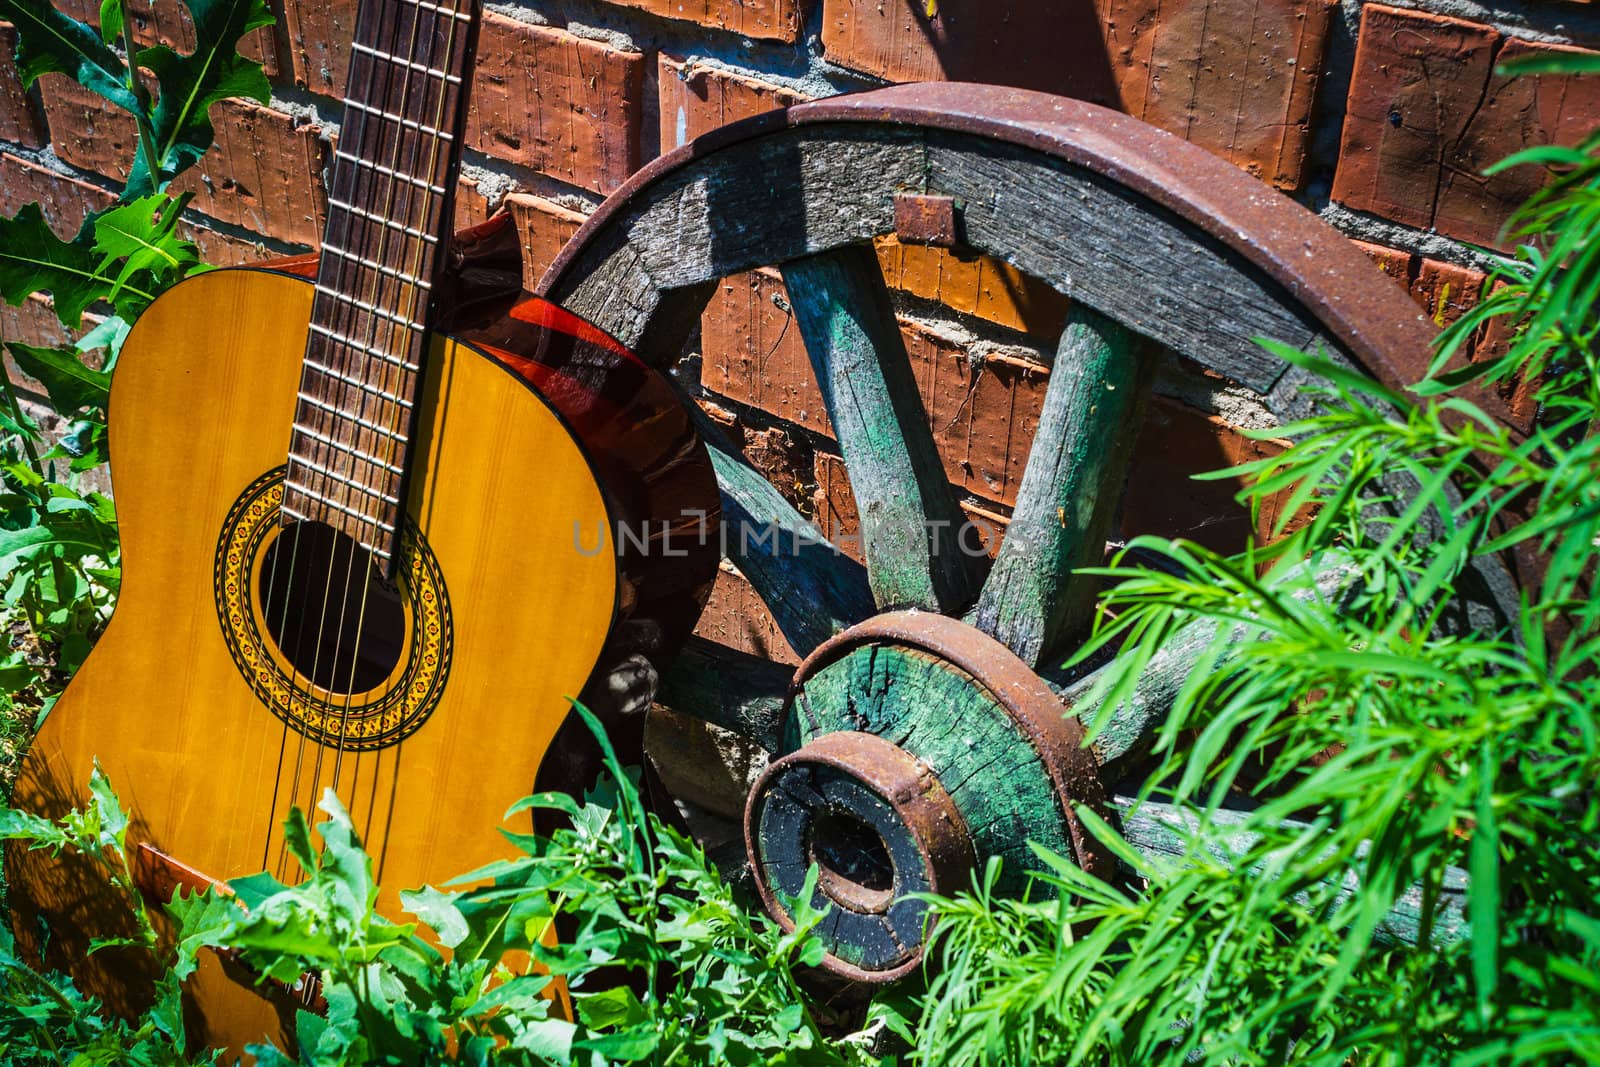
<point>177,712</point>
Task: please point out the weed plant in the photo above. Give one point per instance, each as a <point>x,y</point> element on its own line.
<point>1332,752</point>
<point>59,559</point>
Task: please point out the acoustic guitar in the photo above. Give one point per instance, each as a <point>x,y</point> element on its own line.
<point>359,554</point>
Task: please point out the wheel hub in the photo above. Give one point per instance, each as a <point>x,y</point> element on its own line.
<point>917,746</point>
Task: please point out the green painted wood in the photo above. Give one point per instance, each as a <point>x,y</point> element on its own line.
<point>944,717</point>
<point>728,688</point>
<point>812,589</point>
<point>1070,488</point>
<point>1130,728</point>
<point>1160,831</point>
<point>910,520</point>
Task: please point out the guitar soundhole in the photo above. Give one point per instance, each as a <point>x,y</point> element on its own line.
<point>326,604</point>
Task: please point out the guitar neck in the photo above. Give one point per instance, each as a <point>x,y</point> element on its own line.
<point>389,219</point>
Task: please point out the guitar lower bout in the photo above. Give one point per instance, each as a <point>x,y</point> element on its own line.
<point>212,716</point>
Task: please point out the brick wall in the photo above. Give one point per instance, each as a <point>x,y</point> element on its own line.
<point>1379,117</point>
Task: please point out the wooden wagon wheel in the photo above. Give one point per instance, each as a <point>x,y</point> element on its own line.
<point>920,735</point>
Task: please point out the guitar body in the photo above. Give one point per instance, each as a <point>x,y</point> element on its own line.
<point>209,734</point>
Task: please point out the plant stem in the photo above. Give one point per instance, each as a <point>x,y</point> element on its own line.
<point>9,389</point>
<point>141,119</point>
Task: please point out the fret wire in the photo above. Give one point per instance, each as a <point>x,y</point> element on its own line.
<point>443,135</point>
<point>357,382</point>
<point>374,265</point>
<point>360,213</point>
<point>299,517</point>
<point>389,172</point>
<point>336,506</point>
<point>339,477</point>
<point>453,79</point>
<point>334,442</point>
<point>350,415</point>
<point>382,313</point>
<point>464,16</point>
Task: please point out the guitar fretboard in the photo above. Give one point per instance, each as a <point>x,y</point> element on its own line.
<point>389,212</point>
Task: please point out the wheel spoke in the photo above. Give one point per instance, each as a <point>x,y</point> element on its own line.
<point>812,589</point>
<point>1160,832</point>
<point>729,688</point>
<point>1129,729</point>
<point>910,520</point>
<point>1069,489</point>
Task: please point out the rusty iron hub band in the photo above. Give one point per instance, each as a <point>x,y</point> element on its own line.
<point>1317,265</point>
<point>1037,712</point>
<point>887,792</point>
<point>901,800</point>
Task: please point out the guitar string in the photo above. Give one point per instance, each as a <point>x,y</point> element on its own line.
<point>426,201</point>
<point>327,423</point>
<point>326,426</point>
<point>352,353</point>
<point>410,311</point>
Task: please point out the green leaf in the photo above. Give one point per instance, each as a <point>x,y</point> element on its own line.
<point>618,1006</point>
<point>110,20</point>
<point>50,42</point>
<point>34,259</point>
<point>71,386</point>
<point>142,235</point>
<point>297,840</point>
<point>1551,62</point>
<point>1483,899</point>
<point>190,84</point>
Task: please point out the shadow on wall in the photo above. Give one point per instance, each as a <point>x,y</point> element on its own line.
<point>985,41</point>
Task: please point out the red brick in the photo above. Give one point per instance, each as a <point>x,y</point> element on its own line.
<point>1397,265</point>
<point>544,227</point>
<point>696,99</point>
<point>1426,115</point>
<point>776,20</point>
<point>737,617</point>
<point>33,322</point>
<point>981,414</point>
<point>1175,443</point>
<point>979,286</point>
<point>1517,113</point>
<point>223,249</point>
<point>560,104</point>
<point>317,35</point>
<point>87,131</point>
<point>1233,76</point>
<point>65,201</point>
<point>263,170</point>
<point>19,123</point>
<point>471,206</point>
<point>834,505</point>
<point>167,22</point>
<point>753,353</point>
<point>263,173</point>
<point>1237,77</point>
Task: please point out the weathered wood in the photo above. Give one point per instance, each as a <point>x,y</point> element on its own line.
<point>730,689</point>
<point>910,520</point>
<point>1092,410</point>
<point>812,589</point>
<point>1127,257</point>
<point>802,190</point>
<point>1162,830</point>
<point>1130,727</point>
<point>947,719</point>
